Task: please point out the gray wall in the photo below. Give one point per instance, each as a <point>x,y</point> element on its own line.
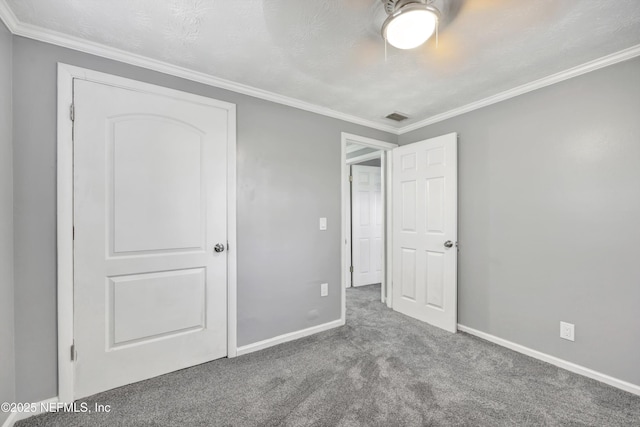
<point>7,365</point>
<point>549,218</point>
<point>288,177</point>
<point>549,201</point>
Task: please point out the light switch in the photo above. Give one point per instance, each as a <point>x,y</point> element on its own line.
<point>323,224</point>
<point>324,289</point>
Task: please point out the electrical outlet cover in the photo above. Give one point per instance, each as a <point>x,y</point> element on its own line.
<point>324,289</point>
<point>567,331</point>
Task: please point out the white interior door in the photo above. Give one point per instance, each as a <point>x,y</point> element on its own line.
<point>425,195</point>
<point>366,225</point>
<point>150,292</point>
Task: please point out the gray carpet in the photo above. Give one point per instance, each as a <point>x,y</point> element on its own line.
<point>381,369</point>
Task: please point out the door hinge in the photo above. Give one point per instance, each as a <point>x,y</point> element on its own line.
<point>227,246</point>
<point>74,356</point>
<point>351,269</point>
<point>73,233</point>
<point>350,178</point>
<point>72,112</point>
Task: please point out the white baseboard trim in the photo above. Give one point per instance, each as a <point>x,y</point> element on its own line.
<point>14,417</point>
<point>569,366</point>
<point>260,345</point>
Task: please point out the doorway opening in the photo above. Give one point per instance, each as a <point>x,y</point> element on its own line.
<point>365,222</point>
<point>366,168</point>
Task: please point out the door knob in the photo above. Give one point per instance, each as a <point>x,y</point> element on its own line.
<point>448,244</point>
<point>219,247</point>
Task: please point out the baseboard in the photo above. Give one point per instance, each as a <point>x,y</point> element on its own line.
<point>569,366</point>
<point>14,417</point>
<point>260,345</point>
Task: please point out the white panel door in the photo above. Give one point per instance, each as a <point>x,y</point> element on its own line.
<point>366,225</point>
<point>425,204</point>
<point>150,292</point>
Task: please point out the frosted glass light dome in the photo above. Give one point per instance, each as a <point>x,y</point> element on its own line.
<point>410,26</point>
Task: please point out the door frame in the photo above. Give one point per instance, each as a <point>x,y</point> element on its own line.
<point>363,158</point>
<point>385,151</point>
<point>65,177</point>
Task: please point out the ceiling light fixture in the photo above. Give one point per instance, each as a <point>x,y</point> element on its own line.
<point>410,23</point>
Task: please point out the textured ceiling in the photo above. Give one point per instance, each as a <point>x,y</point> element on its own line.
<point>330,53</point>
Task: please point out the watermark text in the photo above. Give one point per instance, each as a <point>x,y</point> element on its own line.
<point>38,408</point>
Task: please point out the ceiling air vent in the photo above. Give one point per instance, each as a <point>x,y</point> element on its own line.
<point>398,117</point>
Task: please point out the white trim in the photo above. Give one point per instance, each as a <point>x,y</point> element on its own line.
<point>57,38</point>
<point>65,232</point>
<point>353,147</point>
<point>344,192</point>
<point>388,176</point>
<point>232,248</point>
<point>384,178</point>
<point>75,43</point>
<point>345,239</point>
<point>348,276</point>
<point>587,67</point>
<point>14,417</point>
<point>11,420</point>
<point>260,345</point>
<point>8,17</point>
<point>569,366</point>
<point>66,74</point>
<point>367,142</point>
<point>364,157</point>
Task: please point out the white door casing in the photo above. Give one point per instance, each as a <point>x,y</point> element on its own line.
<point>385,148</point>
<point>366,224</point>
<point>424,220</point>
<point>150,203</point>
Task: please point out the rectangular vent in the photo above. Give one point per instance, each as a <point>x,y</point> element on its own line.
<point>398,117</point>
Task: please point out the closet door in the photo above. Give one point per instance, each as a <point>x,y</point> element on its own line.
<point>150,270</point>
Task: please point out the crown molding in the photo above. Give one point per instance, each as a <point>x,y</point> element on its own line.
<point>596,64</point>
<point>56,38</point>
<point>8,17</point>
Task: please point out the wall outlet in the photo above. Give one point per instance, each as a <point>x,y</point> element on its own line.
<point>324,289</point>
<point>323,224</point>
<point>567,331</point>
